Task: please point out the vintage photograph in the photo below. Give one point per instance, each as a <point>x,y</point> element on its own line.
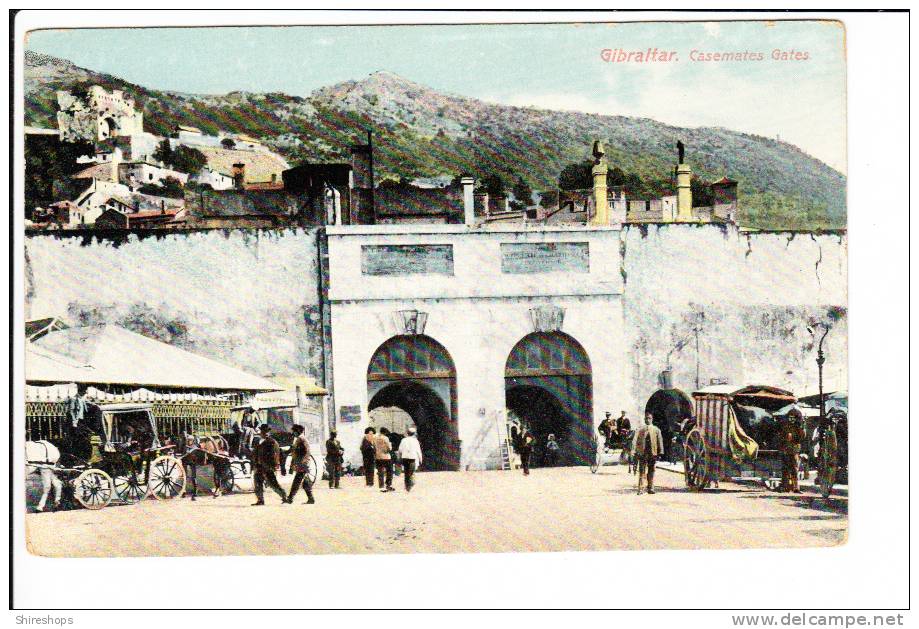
<point>457,288</point>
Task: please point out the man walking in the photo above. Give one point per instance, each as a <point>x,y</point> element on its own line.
<point>382,453</point>
<point>299,463</point>
<point>410,453</point>
<point>790,447</point>
<point>334,457</point>
<point>266,459</point>
<point>367,453</point>
<point>647,446</point>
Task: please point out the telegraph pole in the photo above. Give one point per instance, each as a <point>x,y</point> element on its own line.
<point>373,207</point>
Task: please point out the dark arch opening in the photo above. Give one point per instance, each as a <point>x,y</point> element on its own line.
<point>415,373</point>
<point>548,385</point>
<point>436,430</point>
<point>109,127</point>
<point>669,407</point>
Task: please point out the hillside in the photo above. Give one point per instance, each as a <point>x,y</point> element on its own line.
<point>421,132</point>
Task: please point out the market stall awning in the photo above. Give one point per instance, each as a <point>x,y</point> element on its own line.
<point>109,354</point>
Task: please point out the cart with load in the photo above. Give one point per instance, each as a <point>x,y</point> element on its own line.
<point>736,433</point>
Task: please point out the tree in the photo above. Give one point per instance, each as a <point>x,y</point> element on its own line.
<point>522,192</point>
<point>228,143</point>
<point>576,176</point>
<point>163,152</point>
<point>170,188</point>
<point>190,160</point>
<point>493,184</point>
<point>579,176</point>
<point>185,159</point>
<point>701,192</point>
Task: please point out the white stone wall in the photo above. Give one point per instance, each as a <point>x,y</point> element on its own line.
<point>250,298</point>
<point>247,298</point>
<point>757,293</point>
<point>478,315</point>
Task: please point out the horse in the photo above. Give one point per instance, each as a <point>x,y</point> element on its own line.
<point>197,451</point>
<point>42,458</point>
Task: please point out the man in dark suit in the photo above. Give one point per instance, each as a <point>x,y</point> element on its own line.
<point>525,449</point>
<point>266,460</point>
<point>299,463</point>
<point>383,454</point>
<point>647,447</point>
<point>334,456</point>
<point>368,455</point>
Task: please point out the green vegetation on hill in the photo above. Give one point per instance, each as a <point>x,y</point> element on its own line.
<point>420,132</point>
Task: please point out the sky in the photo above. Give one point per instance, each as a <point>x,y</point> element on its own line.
<point>555,66</point>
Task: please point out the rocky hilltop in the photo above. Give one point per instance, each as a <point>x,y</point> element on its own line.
<point>419,132</point>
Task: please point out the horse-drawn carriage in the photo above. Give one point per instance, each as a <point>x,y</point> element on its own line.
<point>113,453</point>
<point>735,432</point>
<point>613,447</point>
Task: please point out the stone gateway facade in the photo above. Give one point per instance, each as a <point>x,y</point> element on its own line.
<point>461,327</point>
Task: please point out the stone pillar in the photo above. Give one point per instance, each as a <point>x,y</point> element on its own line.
<point>601,204</point>
<point>468,200</point>
<point>684,193</point>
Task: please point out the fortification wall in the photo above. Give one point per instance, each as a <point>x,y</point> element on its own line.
<point>248,298</point>
<point>752,296</point>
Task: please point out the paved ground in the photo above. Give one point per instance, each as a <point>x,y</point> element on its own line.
<point>552,510</point>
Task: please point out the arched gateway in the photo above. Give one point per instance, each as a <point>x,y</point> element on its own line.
<point>415,373</point>
<point>548,385</point>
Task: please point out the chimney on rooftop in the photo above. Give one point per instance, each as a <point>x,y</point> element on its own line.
<point>239,176</point>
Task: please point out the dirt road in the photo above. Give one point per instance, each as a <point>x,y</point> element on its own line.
<point>554,509</point>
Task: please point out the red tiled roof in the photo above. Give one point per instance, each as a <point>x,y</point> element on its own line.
<point>724,180</point>
<point>96,171</point>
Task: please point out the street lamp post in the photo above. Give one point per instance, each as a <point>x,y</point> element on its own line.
<point>821,358</point>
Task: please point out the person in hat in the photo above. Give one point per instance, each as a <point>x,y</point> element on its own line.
<point>334,457</point>
<point>299,463</point>
<point>623,426</point>
<point>647,447</point>
<point>367,454</point>
<point>525,449</point>
<point>382,453</point>
<point>410,453</point>
<point>607,429</point>
<point>266,459</point>
<point>790,437</point>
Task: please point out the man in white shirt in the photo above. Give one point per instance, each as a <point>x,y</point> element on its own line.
<point>410,453</point>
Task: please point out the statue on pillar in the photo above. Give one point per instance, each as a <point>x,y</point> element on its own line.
<point>681,149</point>
<point>599,151</point>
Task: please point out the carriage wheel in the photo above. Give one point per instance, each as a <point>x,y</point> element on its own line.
<point>93,489</point>
<point>771,483</point>
<point>695,461</point>
<point>225,478</point>
<point>312,469</point>
<point>128,488</point>
<point>167,478</point>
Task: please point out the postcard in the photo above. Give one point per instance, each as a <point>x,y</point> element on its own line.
<point>457,288</point>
